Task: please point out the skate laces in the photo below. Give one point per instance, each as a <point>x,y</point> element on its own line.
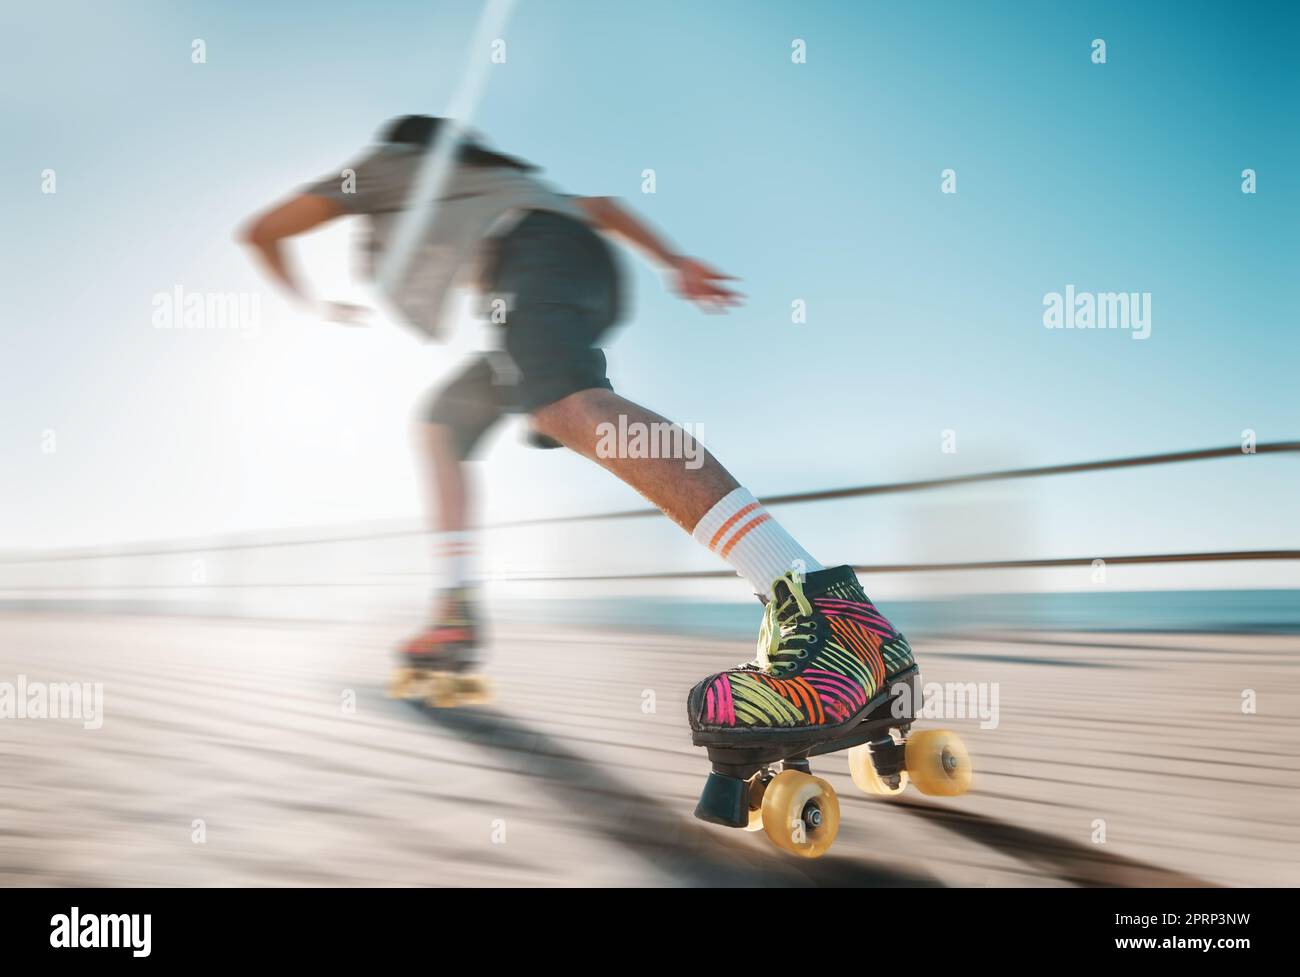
<point>788,627</point>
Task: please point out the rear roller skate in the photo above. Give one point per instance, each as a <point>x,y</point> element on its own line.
<point>831,674</point>
<point>438,665</point>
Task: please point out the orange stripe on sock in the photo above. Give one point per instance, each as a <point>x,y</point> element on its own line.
<point>722,531</point>
<point>740,533</point>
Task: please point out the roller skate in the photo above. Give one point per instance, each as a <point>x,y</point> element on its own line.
<point>831,674</point>
<point>438,665</point>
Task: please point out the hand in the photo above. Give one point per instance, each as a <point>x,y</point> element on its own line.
<point>344,313</point>
<point>699,283</point>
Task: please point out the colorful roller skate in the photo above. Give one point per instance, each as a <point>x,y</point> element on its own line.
<point>831,674</point>
<point>437,665</point>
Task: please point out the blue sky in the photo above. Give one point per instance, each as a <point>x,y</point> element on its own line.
<point>816,181</point>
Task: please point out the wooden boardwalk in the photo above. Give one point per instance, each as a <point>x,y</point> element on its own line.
<point>276,742</point>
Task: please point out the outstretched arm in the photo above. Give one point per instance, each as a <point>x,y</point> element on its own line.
<point>695,281</point>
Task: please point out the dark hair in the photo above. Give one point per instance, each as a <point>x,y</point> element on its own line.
<point>421,130</point>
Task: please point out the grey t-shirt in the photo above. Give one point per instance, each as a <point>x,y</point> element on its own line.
<point>475,204</point>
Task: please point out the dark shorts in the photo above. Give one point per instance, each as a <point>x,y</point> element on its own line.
<point>562,286</point>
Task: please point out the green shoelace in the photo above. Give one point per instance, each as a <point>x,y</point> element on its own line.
<point>788,629</point>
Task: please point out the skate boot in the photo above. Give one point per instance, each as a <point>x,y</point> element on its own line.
<point>438,664</point>
<point>831,673</point>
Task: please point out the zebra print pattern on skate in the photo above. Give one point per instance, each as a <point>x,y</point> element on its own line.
<point>861,650</point>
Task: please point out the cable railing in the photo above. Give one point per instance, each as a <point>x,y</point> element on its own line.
<point>821,495</point>
<point>868,568</point>
<point>917,485</point>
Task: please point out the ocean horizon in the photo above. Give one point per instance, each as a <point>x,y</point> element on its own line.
<point>1204,611</point>
<point>1222,611</point>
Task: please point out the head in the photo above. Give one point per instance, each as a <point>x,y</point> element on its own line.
<point>422,130</point>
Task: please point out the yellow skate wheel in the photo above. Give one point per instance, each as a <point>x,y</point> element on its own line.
<point>404,684</point>
<point>801,813</point>
<point>473,690</point>
<point>446,690</point>
<point>397,684</point>
<point>938,763</point>
<point>864,774</point>
<point>441,690</point>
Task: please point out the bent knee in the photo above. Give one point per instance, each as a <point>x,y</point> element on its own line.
<point>456,422</point>
<point>561,419</point>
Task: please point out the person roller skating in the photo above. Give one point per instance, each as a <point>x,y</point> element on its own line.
<point>828,661</point>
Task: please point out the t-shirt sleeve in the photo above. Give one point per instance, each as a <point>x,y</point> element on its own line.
<point>378,181</point>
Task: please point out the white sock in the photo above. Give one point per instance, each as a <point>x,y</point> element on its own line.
<point>741,531</point>
<point>454,551</point>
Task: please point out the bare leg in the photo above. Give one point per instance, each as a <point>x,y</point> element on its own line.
<point>446,642</point>
<point>446,485</point>
<point>447,500</point>
<point>684,494</point>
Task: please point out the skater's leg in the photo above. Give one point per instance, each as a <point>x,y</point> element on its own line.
<point>684,494</point>
<point>446,479</point>
<point>816,618</point>
<point>454,421</point>
<point>702,497</point>
<point>447,507</point>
